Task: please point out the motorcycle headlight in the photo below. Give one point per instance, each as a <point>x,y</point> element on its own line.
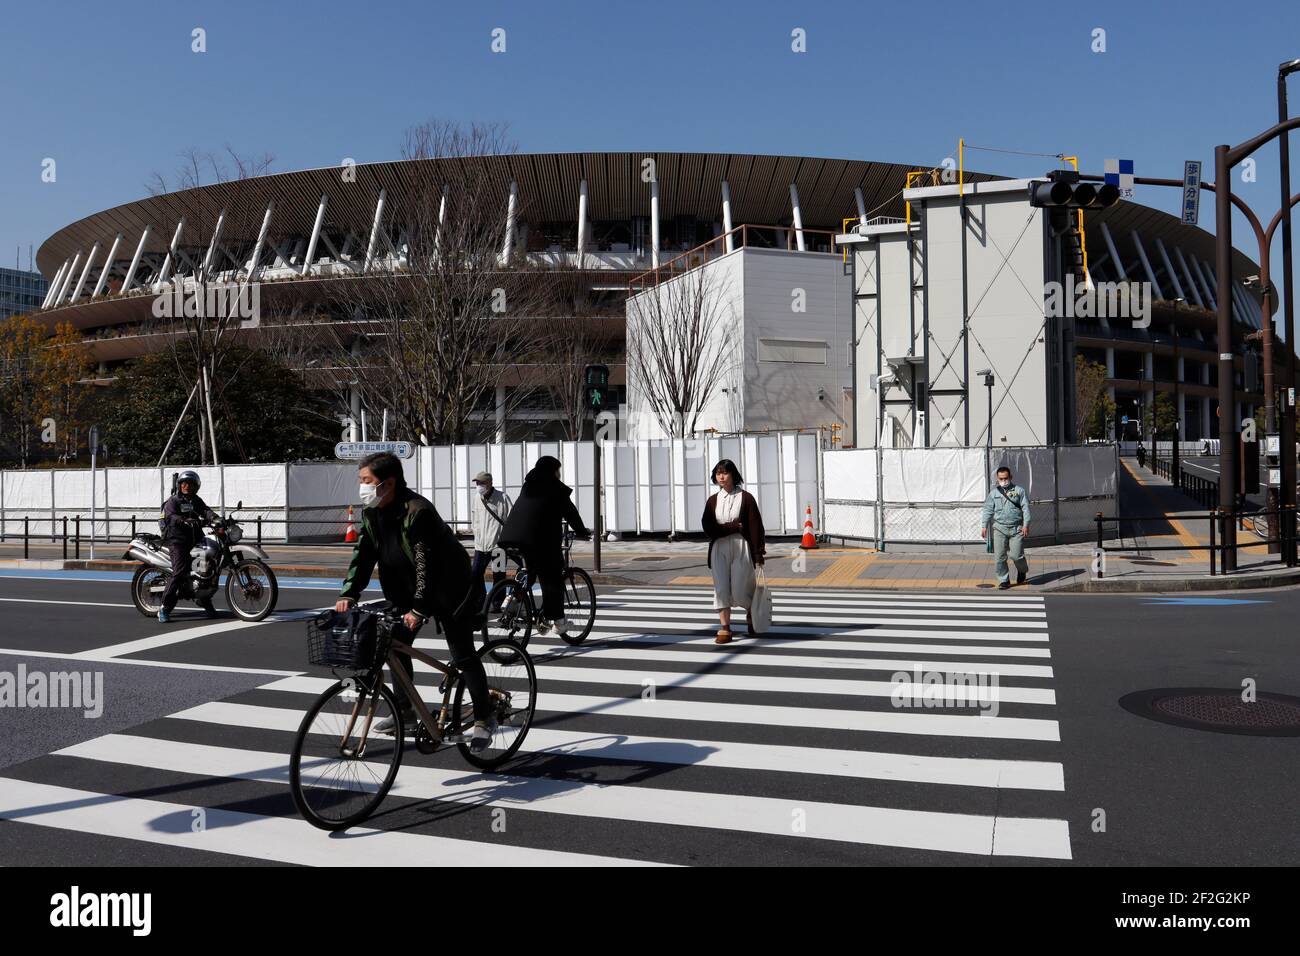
<point>233,534</point>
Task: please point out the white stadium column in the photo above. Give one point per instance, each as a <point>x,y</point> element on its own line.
<point>54,285</point>
<point>108,264</point>
<point>442,218</point>
<point>582,222</point>
<point>508,246</point>
<point>726,216</point>
<point>85,271</point>
<point>171,252</point>
<point>212,246</point>
<point>501,414</point>
<point>1169,270</point>
<point>1114,254</point>
<point>129,280</point>
<point>1146,266</point>
<point>1110,371</point>
<point>798,217</point>
<point>654,222</point>
<point>315,235</point>
<point>1206,285</point>
<point>255,262</point>
<point>1192,285</point>
<point>67,279</point>
<point>374,232</point>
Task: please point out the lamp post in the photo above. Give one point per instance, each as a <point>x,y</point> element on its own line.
<point>1286,442</point>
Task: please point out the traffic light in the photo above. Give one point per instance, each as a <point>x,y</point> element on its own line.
<point>1064,190</point>
<point>596,387</point>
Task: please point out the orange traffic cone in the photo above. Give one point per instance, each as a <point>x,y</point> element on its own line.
<point>809,538</point>
<point>350,535</point>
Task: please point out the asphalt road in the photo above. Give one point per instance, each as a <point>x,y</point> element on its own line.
<point>783,750</point>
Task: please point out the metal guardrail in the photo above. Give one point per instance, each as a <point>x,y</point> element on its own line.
<point>67,529</point>
<point>1217,517</point>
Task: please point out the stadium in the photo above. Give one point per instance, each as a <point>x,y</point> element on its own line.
<point>614,219</point>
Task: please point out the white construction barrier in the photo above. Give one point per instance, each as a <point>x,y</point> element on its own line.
<point>936,495</point>
<point>650,487</point>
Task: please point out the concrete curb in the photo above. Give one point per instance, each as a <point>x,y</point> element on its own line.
<point>1280,578</point>
<point>281,570</point>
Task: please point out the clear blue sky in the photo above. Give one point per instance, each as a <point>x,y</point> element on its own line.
<point>113,92</point>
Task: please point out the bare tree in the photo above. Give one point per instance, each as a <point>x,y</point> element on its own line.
<point>677,348</point>
<point>577,335</point>
<point>199,168</point>
<point>446,317</point>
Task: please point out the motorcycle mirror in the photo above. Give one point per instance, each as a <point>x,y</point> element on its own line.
<point>239,504</point>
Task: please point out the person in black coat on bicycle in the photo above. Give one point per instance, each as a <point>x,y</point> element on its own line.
<point>535,527</point>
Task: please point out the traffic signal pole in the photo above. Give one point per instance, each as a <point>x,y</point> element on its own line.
<point>1227,407</point>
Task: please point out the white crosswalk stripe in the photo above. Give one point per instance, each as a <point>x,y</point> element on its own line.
<point>903,728</point>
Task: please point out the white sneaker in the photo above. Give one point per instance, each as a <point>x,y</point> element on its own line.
<point>560,626</point>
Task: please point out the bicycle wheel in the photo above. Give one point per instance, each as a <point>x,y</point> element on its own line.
<point>1259,525</point>
<point>512,684</point>
<point>514,620</point>
<point>335,779</point>
<point>579,604</point>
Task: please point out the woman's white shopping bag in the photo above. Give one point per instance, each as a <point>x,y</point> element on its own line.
<point>760,610</point>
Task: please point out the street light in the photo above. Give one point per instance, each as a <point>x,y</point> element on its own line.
<point>988,382</point>
<point>1286,442</point>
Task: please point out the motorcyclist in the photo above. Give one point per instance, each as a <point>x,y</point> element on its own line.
<point>183,516</point>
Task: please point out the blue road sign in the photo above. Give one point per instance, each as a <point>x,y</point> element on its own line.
<point>348,450</point>
<point>1191,191</point>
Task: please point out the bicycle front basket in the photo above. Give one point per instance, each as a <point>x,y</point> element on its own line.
<point>350,640</point>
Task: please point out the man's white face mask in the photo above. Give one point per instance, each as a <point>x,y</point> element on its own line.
<point>369,494</point>
<point>1004,482</point>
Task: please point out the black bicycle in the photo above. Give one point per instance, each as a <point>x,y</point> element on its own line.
<point>510,611</point>
<point>341,769</point>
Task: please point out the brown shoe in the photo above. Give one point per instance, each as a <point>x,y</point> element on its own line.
<point>724,636</point>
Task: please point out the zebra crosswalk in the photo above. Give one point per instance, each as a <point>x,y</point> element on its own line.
<point>864,728</point>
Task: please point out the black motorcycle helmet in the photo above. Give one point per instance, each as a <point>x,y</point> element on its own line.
<point>190,476</point>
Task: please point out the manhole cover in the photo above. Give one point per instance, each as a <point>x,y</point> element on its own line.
<point>650,559</point>
<point>1218,710</point>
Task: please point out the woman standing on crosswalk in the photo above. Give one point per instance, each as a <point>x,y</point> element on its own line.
<point>735,529</point>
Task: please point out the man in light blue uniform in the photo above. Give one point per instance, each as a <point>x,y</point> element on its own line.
<point>1006,517</point>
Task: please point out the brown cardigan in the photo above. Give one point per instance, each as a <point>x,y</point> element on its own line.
<point>751,523</point>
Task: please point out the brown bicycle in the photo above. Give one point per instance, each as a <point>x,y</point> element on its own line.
<point>341,769</point>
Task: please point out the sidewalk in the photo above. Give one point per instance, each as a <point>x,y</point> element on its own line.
<point>1133,566</point>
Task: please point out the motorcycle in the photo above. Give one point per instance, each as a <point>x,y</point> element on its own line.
<point>251,588</point>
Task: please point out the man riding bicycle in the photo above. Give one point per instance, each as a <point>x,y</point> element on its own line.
<point>424,573</point>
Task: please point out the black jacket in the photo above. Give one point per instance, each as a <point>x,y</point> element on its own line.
<point>428,571</point>
<point>182,517</point>
<point>535,520</point>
